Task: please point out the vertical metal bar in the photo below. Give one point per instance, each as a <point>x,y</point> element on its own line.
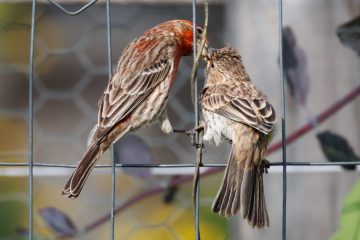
<point>283,120</point>
<point>113,176</point>
<point>196,109</point>
<point>30,116</point>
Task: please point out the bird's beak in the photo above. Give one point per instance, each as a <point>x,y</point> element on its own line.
<point>210,51</point>
<point>208,57</point>
<point>206,54</point>
<point>204,51</point>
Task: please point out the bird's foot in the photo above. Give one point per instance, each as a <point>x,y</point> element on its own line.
<point>192,134</point>
<point>264,166</point>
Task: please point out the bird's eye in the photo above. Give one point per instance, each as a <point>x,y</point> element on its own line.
<point>199,30</point>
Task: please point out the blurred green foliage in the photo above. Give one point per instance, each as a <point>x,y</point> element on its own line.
<point>349,225</point>
<point>11,215</point>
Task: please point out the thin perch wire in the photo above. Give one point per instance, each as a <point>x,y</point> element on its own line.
<point>31,116</point>
<point>283,120</point>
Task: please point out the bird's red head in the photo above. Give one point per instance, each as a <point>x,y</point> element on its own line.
<point>184,30</point>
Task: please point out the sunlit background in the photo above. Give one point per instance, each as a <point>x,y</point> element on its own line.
<point>71,72</point>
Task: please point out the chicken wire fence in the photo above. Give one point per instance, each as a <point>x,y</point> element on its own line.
<point>187,118</point>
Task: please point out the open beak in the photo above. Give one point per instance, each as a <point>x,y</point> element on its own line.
<point>208,58</point>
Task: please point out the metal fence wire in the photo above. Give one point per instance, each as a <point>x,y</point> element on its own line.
<point>31,164</point>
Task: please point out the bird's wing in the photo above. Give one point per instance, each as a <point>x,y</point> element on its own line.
<point>122,96</point>
<point>242,103</point>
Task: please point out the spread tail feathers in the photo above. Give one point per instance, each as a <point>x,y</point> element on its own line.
<point>242,189</point>
<point>82,171</point>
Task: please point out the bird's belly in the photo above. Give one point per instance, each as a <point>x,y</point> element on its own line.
<point>217,128</point>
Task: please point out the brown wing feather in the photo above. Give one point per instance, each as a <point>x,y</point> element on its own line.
<point>241,102</point>
<point>136,77</point>
<point>118,103</point>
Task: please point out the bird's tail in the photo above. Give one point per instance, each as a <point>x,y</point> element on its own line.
<point>242,186</point>
<point>253,206</point>
<point>82,171</point>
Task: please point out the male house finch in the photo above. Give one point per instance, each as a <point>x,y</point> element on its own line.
<point>137,94</point>
<point>236,111</point>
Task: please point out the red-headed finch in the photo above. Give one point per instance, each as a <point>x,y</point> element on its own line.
<point>137,94</point>
<point>236,111</point>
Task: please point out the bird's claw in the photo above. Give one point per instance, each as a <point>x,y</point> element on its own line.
<point>265,165</point>
<point>192,134</point>
<point>199,145</point>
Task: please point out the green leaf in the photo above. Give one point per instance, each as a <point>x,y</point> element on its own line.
<point>349,226</point>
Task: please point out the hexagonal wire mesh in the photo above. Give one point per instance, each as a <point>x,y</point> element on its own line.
<point>74,98</point>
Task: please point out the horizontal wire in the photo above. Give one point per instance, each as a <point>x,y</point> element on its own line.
<point>72,13</point>
<point>6,164</point>
<point>165,171</point>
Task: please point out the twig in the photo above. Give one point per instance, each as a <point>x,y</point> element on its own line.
<point>317,120</point>
<point>196,62</point>
<point>198,134</point>
<point>289,139</point>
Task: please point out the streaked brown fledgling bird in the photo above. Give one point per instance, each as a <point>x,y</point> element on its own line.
<point>137,94</point>
<point>236,111</point>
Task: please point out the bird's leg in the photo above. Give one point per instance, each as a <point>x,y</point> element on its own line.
<point>199,128</point>
<point>165,123</point>
<point>264,166</point>
<point>192,133</point>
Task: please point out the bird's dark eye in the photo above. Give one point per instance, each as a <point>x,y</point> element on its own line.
<point>199,30</point>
